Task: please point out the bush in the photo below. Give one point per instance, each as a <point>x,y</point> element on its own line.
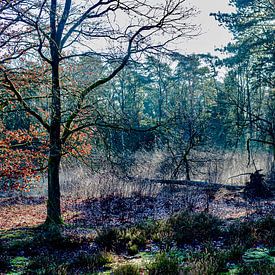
<point>134,237</point>
<point>130,239</point>
<point>235,252</point>
<point>54,269</point>
<point>164,264</point>
<point>46,264</point>
<point>262,268</point>
<point>208,263</point>
<point>185,227</point>
<point>133,249</point>
<point>253,232</point>
<point>163,234</point>
<point>127,269</point>
<point>189,227</point>
<point>108,238</point>
<point>92,262</point>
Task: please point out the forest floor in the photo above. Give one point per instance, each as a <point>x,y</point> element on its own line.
<point>85,218</point>
<point>116,210</point>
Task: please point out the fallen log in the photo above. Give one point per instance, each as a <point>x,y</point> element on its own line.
<point>202,184</point>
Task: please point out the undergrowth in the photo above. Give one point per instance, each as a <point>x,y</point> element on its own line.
<point>186,243</point>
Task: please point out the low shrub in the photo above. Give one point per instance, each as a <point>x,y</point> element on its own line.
<point>185,227</point>
<point>163,235</point>
<point>164,264</point>
<point>92,262</point>
<point>47,264</point>
<point>253,232</point>
<point>4,263</point>
<point>127,269</point>
<point>123,239</point>
<point>190,227</point>
<point>207,263</point>
<point>55,269</point>
<point>132,249</point>
<point>235,252</point>
<point>262,268</point>
<point>108,238</point>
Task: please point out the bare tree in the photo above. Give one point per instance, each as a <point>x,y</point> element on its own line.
<point>49,32</point>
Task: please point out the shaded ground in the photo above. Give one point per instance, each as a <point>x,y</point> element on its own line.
<point>115,210</point>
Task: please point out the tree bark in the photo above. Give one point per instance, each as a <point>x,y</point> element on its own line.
<point>187,168</point>
<point>53,205</point>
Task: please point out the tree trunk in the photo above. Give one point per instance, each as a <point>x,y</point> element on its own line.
<point>53,205</point>
<point>187,168</point>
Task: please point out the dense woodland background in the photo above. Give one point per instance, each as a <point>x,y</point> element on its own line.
<point>193,116</point>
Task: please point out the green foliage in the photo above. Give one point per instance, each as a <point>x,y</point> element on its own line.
<point>235,252</point>
<point>194,227</point>
<point>18,240</point>
<point>257,267</point>
<point>250,81</point>
<point>92,262</point>
<point>233,260</point>
<point>253,232</point>
<point>163,234</point>
<point>235,257</point>
<point>132,249</point>
<point>108,238</point>
<point>55,264</point>
<point>185,227</point>
<point>131,239</point>
<point>48,264</point>
<point>256,262</point>
<point>127,269</point>
<point>207,263</point>
<point>164,263</point>
<point>134,237</point>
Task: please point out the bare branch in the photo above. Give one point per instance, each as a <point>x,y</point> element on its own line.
<point>12,88</point>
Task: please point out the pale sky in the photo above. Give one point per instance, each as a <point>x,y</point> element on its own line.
<point>213,36</point>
